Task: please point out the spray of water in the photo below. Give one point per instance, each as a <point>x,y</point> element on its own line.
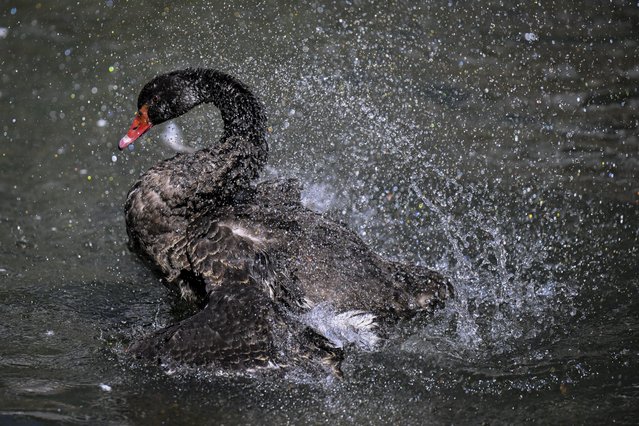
<point>508,289</point>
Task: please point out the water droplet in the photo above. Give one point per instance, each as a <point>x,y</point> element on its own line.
<point>105,387</point>
<point>530,37</point>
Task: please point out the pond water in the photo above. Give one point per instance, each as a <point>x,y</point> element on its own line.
<point>497,144</point>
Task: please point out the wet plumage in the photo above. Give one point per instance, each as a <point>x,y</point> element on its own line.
<point>257,262</point>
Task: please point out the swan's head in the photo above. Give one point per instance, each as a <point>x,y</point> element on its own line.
<point>165,97</point>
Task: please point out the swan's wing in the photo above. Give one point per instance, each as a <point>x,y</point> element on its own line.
<point>222,251</point>
<point>234,330</point>
<point>225,251</point>
<point>240,328</point>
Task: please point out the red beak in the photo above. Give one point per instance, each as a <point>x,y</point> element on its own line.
<point>140,125</point>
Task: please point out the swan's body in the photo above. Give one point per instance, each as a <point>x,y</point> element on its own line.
<point>259,262</point>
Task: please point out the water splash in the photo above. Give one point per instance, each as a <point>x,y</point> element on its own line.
<point>172,138</point>
<point>508,293</point>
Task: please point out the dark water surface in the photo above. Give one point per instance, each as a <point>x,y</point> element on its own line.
<point>499,144</point>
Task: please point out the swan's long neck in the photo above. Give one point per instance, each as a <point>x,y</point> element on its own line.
<point>241,111</point>
<point>243,150</point>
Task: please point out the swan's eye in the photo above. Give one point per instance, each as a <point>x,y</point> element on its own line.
<point>155,99</point>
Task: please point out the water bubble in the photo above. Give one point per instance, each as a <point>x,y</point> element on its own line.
<point>105,387</point>
<point>530,37</point>
<point>101,122</point>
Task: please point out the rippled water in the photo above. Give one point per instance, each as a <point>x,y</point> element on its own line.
<point>498,144</point>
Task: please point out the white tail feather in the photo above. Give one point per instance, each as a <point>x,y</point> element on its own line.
<point>350,327</point>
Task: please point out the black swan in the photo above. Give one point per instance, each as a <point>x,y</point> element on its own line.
<point>274,282</point>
